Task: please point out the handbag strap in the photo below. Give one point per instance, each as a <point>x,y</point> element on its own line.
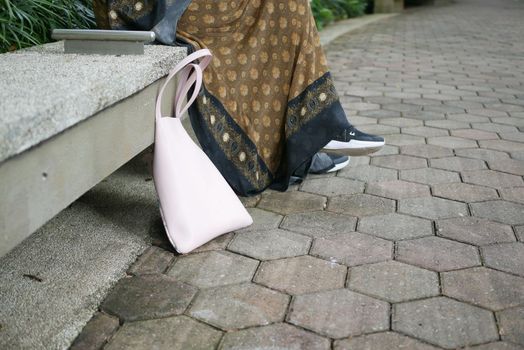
<point>191,73</point>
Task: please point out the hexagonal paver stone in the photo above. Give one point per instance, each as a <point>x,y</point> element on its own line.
<point>425,115</point>
<point>513,136</point>
<point>148,296</point>
<point>445,322</point>
<point>402,95</point>
<point>511,323</point>
<point>399,162</point>
<point>180,332</point>
<point>492,178</point>
<point>425,131</point>
<point>499,128</point>
<point>402,122</point>
<point>458,163</point>
<point>484,154</point>
<point>488,112</point>
<point>239,306</point>
<point>300,275</point>
<point>219,243</point>
<point>432,208</point>
<point>395,226</point>
<point>361,205</point>
<point>501,211</point>
<point>518,155</point>
<point>402,107</point>
<point>214,268</point>
<point>385,151</point>
<point>355,162</point>
<point>379,129</point>
<point>468,118</point>
<point>499,345</point>
<point>319,223</point>
<point>332,186</point>
<point>452,142</point>
<point>426,151</point>
<point>153,260</point>
<point>437,253</point>
<point>474,134</point>
<point>353,249</point>
<point>362,106</point>
<point>485,287</point>
<point>398,189</point>
<point>475,230</point>
<point>339,313</point>
<point>508,165</point>
<point>368,173</point>
<point>447,124</point>
<point>381,340</point>
<point>393,281</point>
<point>513,194</point>
<point>464,192</point>
<point>380,113</point>
<point>359,121</point>
<point>429,176</point>
<point>96,332</point>
<point>502,145</point>
<point>273,244</point>
<point>518,122</point>
<point>405,140</point>
<point>507,257</point>
<point>275,336</point>
<point>519,232</point>
<point>291,202</point>
<point>262,220</point>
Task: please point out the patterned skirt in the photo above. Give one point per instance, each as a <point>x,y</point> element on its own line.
<point>269,102</point>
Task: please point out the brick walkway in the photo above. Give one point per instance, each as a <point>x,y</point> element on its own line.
<point>418,247</point>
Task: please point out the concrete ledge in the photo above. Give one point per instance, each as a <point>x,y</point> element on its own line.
<point>45,91</point>
<point>69,149</point>
<point>337,29</point>
<point>39,183</point>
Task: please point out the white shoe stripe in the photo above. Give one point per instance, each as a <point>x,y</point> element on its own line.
<point>352,144</point>
<point>339,166</point>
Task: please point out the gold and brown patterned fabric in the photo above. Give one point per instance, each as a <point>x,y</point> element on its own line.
<point>268,103</point>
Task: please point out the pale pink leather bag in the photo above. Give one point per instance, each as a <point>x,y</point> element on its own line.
<point>196,202</point>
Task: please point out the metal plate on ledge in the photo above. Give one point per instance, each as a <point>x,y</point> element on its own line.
<point>104,42</point>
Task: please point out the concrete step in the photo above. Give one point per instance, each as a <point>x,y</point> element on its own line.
<point>52,283</point>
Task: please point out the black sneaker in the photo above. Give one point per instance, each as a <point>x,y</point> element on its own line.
<point>353,142</point>
<point>340,162</point>
<point>323,163</point>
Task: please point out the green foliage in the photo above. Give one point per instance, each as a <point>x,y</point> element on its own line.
<point>26,23</point>
<point>327,11</point>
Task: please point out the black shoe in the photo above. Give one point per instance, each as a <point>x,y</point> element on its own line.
<point>353,142</point>
<point>340,162</point>
<point>323,163</point>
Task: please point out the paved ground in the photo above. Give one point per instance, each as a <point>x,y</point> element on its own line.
<point>419,247</point>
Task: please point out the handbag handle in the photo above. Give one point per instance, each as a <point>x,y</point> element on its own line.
<point>190,73</point>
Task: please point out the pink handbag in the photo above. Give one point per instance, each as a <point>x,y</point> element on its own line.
<point>196,202</point>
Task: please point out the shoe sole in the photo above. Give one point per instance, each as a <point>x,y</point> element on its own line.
<point>339,166</point>
<point>355,152</point>
<point>353,147</point>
